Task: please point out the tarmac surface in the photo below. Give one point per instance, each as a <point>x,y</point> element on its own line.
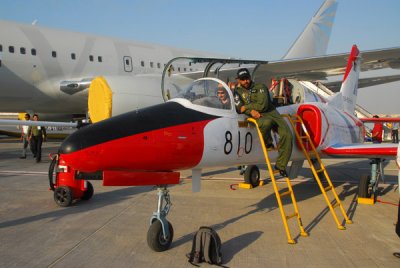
<point>110,229</point>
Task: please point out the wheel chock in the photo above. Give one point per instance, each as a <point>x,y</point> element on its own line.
<point>366,200</point>
<point>245,185</point>
<point>262,183</point>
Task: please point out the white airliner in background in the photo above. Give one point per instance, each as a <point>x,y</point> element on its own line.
<point>44,70</point>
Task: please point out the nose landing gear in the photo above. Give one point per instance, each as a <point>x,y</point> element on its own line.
<point>161,233</point>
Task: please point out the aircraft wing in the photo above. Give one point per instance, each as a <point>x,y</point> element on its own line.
<point>362,150</point>
<point>312,68</point>
<point>364,82</point>
<point>8,122</point>
<point>317,68</point>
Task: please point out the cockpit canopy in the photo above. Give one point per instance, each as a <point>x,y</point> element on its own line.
<point>198,80</point>
<point>208,92</point>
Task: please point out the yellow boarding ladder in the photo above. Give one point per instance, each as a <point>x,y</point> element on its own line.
<point>317,171</point>
<point>278,194</point>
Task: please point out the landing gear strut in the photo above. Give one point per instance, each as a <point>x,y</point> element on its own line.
<point>368,185</point>
<point>160,233</point>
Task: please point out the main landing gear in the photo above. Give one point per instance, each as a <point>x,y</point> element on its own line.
<point>252,175</point>
<point>161,233</point>
<point>368,185</point>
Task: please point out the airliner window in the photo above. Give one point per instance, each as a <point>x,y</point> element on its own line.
<point>207,93</point>
<point>33,52</point>
<point>73,56</point>
<point>158,65</point>
<point>22,50</point>
<point>99,59</point>
<point>1,48</point>
<point>11,49</point>
<point>91,57</point>
<point>54,54</point>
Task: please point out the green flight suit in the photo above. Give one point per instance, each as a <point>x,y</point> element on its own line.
<point>257,98</point>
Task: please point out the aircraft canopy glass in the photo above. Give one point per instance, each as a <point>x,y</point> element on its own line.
<point>208,92</point>
<point>180,73</point>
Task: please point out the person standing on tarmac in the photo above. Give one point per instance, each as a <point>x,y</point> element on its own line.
<point>395,132</point>
<point>25,137</point>
<point>397,229</point>
<point>377,131</point>
<point>254,100</point>
<point>37,135</point>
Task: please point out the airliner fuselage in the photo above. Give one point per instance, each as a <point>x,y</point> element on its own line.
<point>46,70</point>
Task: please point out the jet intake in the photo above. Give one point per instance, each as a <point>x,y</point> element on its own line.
<point>312,119</point>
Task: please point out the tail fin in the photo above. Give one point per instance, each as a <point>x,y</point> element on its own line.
<point>313,41</point>
<point>347,97</point>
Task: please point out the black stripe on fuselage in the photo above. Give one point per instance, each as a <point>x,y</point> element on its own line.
<point>131,123</point>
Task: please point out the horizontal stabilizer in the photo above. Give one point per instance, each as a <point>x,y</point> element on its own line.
<point>362,150</point>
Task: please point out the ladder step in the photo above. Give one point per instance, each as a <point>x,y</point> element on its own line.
<point>336,205</point>
<point>285,193</point>
<point>291,215</point>
<point>303,137</point>
<point>312,152</point>
<point>328,188</point>
<point>319,170</point>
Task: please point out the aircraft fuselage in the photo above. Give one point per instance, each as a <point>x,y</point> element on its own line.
<point>46,70</point>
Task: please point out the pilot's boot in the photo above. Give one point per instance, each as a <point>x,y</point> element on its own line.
<point>282,172</point>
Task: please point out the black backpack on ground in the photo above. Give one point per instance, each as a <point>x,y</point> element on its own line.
<point>206,247</point>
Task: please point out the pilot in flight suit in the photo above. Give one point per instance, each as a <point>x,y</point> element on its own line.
<point>254,100</point>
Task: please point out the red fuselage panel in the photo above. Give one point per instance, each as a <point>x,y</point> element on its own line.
<point>171,148</point>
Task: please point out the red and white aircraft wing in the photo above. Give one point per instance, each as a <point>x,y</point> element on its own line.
<point>362,150</point>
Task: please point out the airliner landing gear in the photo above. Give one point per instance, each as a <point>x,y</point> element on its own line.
<point>368,185</point>
<point>160,233</point>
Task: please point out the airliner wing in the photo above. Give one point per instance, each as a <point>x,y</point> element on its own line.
<point>313,68</point>
<point>362,150</point>
<point>364,82</point>
<point>322,66</point>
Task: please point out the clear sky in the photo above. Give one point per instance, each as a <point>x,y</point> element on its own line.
<point>253,29</point>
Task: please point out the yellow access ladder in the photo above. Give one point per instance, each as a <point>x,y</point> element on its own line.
<point>278,194</point>
<point>317,171</point>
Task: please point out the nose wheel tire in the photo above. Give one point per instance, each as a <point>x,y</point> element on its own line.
<point>252,175</point>
<point>63,196</point>
<point>156,239</point>
<point>89,191</point>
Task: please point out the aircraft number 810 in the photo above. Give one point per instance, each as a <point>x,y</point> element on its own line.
<point>248,142</point>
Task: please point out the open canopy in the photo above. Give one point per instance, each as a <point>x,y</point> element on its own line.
<point>179,73</point>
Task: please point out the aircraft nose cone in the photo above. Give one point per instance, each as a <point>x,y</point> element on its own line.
<point>73,143</point>
<point>85,137</point>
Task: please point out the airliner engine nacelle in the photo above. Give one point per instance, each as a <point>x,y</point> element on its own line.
<point>113,95</point>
